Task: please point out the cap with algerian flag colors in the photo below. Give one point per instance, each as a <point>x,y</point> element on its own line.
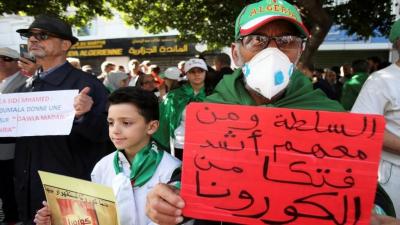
<point>255,15</point>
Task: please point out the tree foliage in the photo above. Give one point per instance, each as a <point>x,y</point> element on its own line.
<point>84,10</point>
<point>364,18</point>
<point>212,21</point>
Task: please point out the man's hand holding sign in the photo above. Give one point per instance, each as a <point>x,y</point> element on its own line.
<point>277,166</point>
<point>82,103</point>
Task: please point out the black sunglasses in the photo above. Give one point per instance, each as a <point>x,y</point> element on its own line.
<point>7,59</point>
<point>41,36</point>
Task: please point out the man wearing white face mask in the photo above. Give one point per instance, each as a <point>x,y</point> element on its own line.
<point>269,41</point>
<point>269,38</point>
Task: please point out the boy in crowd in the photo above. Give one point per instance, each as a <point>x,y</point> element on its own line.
<point>138,164</point>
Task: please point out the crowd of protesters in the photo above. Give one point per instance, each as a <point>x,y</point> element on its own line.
<point>157,98</point>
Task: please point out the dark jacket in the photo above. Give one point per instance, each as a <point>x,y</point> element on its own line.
<point>332,91</point>
<point>219,75</point>
<point>72,155</point>
<point>17,82</point>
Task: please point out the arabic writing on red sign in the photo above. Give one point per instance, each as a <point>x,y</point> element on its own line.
<point>258,165</point>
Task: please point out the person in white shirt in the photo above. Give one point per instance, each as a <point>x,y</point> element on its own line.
<point>381,95</point>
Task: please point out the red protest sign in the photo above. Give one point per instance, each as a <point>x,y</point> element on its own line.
<point>258,165</point>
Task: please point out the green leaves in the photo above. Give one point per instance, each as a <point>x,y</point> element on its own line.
<point>364,18</point>
<point>210,21</point>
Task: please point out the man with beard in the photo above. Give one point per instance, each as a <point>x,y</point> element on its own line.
<point>49,40</point>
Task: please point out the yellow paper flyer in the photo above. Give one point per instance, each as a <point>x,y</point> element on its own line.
<point>76,202</point>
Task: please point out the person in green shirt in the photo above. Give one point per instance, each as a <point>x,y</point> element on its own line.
<point>170,133</point>
<point>352,87</point>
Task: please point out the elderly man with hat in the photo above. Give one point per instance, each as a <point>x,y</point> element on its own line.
<point>381,95</point>
<point>10,79</point>
<point>269,38</point>
<point>49,40</point>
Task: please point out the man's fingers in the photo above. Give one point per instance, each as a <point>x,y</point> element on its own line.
<point>43,215</point>
<point>387,220</point>
<point>167,220</point>
<point>383,220</point>
<point>45,212</point>
<point>170,195</point>
<point>85,91</point>
<point>42,220</point>
<point>164,205</point>
<point>374,221</point>
<point>83,102</point>
<point>24,60</point>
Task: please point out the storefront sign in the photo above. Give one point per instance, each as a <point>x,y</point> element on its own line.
<point>165,45</point>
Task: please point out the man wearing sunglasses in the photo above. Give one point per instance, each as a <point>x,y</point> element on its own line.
<point>49,39</point>
<point>269,40</point>
<point>10,76</point>
<point>10,79</point>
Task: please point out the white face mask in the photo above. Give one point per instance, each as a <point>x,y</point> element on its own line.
<point>268,72</point>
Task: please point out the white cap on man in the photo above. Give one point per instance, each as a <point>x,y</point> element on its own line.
<point>172,73</point>
<point>9,52</point>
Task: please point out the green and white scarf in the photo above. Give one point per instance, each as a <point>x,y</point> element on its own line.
<point>143,165</point>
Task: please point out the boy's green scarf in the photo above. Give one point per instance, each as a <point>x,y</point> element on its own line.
<point>143,165</point>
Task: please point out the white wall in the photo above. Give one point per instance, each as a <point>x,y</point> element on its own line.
<point>116,28</point>
<point>8,26</point>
